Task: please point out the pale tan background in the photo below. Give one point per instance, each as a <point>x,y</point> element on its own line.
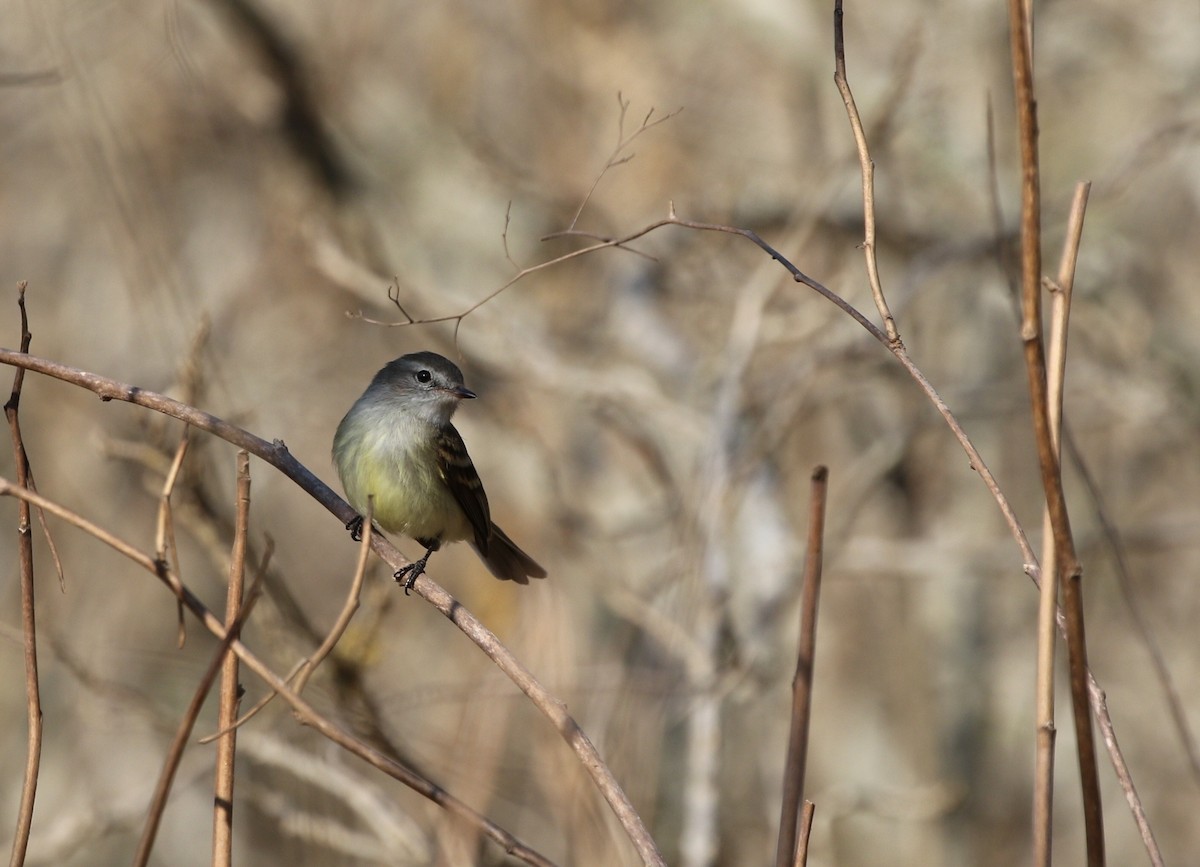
<point>646,426</point>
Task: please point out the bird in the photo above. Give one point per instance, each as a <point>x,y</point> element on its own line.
<point>396,445</point>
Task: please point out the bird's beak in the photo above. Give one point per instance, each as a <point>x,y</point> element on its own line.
<point>461,391</point>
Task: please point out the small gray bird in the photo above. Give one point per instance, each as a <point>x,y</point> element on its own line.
<point>397,444</point>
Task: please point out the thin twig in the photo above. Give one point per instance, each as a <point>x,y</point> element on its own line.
<point>33,699</point>
<point>348,608</point>
<point>1043,784</point>
<point>1109,733</point>
<point>164,536</point>
<point>230,692</point>
<point>307,713</point>
<point>802,682</point>
<point>868,175</point>
<point>1069,570</point>
<point>617,157</point>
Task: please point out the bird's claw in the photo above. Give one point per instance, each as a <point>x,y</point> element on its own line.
<point>412,571</point>
<point>355,527</point>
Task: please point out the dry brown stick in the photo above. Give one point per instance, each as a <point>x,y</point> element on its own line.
<point>278,456</point>
<point>307,713</point>
<point>802,682</point>
<point>166,777</point>
<point>230,689</point>
<point>806,820</point>
<point>1043,778</point>
<point>33,699</point>
<point>1069,572</point>
<point>868,174</point>
<point>1109,733</point>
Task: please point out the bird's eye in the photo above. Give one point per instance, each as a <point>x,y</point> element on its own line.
<point>424,376</point>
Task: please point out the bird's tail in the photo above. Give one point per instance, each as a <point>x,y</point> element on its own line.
<point>508,562</point>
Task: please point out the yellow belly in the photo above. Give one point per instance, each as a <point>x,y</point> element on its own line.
<point>397,465</point>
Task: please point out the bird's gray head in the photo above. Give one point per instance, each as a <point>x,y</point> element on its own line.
<point>428,384</point>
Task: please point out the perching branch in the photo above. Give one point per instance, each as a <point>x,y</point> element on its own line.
<point>278,456</point>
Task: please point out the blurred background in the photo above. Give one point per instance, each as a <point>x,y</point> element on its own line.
<point>199,193</point>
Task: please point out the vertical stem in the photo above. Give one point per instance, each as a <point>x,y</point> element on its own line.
<point>1043,793</point>
<point>802,683</point>
<point>227,715</point>
<point>33,700</point>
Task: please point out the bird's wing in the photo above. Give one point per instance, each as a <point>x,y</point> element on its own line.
<point>456,469</point>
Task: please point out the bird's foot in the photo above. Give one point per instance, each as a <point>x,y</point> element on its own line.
<point>412,571</point>
<point>355,527</point>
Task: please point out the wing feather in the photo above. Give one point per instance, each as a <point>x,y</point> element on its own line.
<point>460,476</point>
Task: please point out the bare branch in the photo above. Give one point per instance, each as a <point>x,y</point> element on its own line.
<point>868,174</point>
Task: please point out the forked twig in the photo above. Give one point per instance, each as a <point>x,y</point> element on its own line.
<point>618,157</point>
